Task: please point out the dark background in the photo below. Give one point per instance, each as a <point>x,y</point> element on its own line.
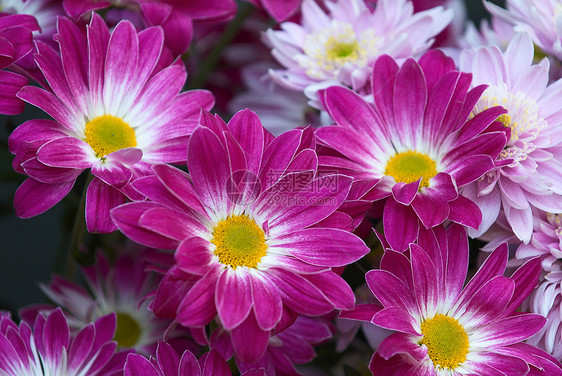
<point>31,249</point>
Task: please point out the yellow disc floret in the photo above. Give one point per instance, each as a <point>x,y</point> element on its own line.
<point>446,341</point>
<point>338,50</point>
<point>107,133</point>
<point>239,241</point>
<point>127,330</point>
<point>409,166</point>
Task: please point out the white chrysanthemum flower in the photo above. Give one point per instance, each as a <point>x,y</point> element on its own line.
<point>341,46</point>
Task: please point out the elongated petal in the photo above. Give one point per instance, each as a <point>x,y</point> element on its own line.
<point>233,297</point>
<point>33,197</point>
<point>100,199</point>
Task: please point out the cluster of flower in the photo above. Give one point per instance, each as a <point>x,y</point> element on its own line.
<point>387,122</point>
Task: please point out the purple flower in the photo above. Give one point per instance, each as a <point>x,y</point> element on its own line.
<point>414,147</point>
<point>443,328</point>
<point>48,349</point>
<point>255,231</point>
<point>115,112</point>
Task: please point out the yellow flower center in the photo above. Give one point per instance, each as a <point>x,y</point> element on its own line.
<point>337,50</point>
<point>409,166</point>
<point>127,330</point>
<point>239,241</point>
<point>446,341</point>
<point>106,134</point>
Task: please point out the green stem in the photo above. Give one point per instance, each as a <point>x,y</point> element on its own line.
<point>210,62</point>
<point>77,232</point>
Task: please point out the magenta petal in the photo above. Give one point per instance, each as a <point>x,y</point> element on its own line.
<point>126,218</point>
<point>100,199</point>
<point>197,308</point>
<point>512,329</point>
<point>10,84</point>
<point>113,173</point>
<point>312,246</point>
<point>193,255</point>
<point>47,174</point>
<point>299,294</point>
<point>208,167</point>
<point>334,288</point>
<point>399,265</point>
<point>400,225</point>
<point>489,302</point>
<point>168,359</point>
<point>410,97</point>
<point>170,223</point>
<point>431,208</point>
<point>457,260</point>
<point>56,336</point>
<point>214,364</point>
<point>395,318</point>
<point>465,212</point>
<point>405,193</point>
<point>65,152</point>
<point>494,265</point>
<point>188,365</point>
<point>281,10</point>
<point>138,365</point>
<point>525,278</point>
<point>426,286</point>
<point>268,306</point>
<point>401,343</point>
<point>247,129</point>
<point>33,197</point>
<point>249,340</point>
<point>361,312</point>
<point>233,297</point>
<point>391,291</point>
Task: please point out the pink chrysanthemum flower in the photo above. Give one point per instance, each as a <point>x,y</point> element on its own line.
<point>530,166</point>
<point>174,16</point>
<point>443,328</point>
<point>115,113</point>
<point>168,363</point>
<point>342,46</point>
<point>540,18</point>
<point>16,41</point>
<point>48,348</point>
<point>256,231</point>
<point>414,147</point>
<point>122,288</point>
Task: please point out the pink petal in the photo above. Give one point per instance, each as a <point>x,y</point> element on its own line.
<point>400,225</point>
<point>249,340</point>
<point>100,199</point>
<point>33,197</point>
<point>267,303</point>
<point>233,297</point>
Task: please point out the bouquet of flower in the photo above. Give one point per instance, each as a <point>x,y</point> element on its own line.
<point>267,187</point>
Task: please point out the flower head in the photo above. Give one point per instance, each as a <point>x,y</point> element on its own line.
<point>414,146</point>
<point>115,112</point>
<point>528,173</point>
<point>122,288</point>
<point>443,328</point>
<point>342,46</point>
<point>255,230</point>
<point>48,349</point>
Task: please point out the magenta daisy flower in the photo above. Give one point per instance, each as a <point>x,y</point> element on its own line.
<point>415,145</point>
<point>443,328</point>
<point>530,167</point>
<point>168,363</point>
<point>16,41</point>
<point>342,45</point>
<point>123,288</point>
<point>115,112</point>
<point>48,348</point>
<point>256,231</point>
